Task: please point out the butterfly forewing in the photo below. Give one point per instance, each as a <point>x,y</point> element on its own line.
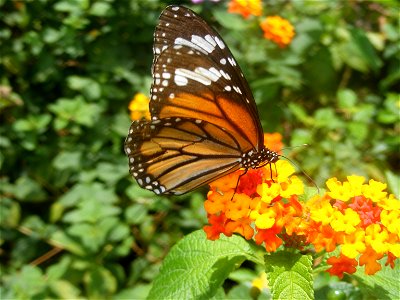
<point>189,56</point>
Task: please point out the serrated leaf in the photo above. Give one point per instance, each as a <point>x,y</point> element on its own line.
<point>382,285</point>
<point>195,267</point>
<point>289,275</point>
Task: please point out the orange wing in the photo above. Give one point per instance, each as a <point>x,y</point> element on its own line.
<point>177,155</point>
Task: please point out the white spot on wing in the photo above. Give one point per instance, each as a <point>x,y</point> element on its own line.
<point>219,42</point>
<point>181,41</point>
<point>206,73</point>
<point>209,39</point>
<point>192,75</point>
<point>180,80</point>
<point>199,41</point>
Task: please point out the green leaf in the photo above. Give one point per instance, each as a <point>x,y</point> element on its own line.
<point>26,189</point>
<point>289,275</point>
<point>91,210</point>
<point>136,213</point>
<point>100,9</point>
<point>100,283</point>
<point>10,212</point>
<point>64,289</point>
<point>347,98</point>
<point>68,160</point>
<point>58,270</point>
<point>75,110</point>
<point>230,21</point>
<point>83,191</point>
<point>29,283</point>
<point>393,181</point>
<point>195,267</point>
<point>111,172</point>
<point>90,88</point>
<point>139,291</point>
<point>382,285</point>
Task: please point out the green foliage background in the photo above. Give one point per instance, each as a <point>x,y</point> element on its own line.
<point>73,223</point>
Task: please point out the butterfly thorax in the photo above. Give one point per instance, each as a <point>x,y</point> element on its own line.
<point>255,159</point>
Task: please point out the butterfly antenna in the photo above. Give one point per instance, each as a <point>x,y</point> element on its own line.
<point>302,171</point>
<point>294,147</point>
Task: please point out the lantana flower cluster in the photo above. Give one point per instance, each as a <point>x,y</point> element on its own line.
<point>359,219</point>
<point>275,28</point>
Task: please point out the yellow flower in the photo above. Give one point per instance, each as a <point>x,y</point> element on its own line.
<point>268,193</point>
<point>356,183</point>
<point>245,7</point>
<point>264,220</point>
<point>139,107</point>
<point>374,190</point>
<point>278,30</point>
<point>260,282</point>
<point>353,244</point>
<point>377,238</point>
<point>391,220</point>
<point>338,190</point>
<point>390,203</point>
<point>293,186</point>
<point>285,169</point>
<point>323,213</point>
<point>346,222</point>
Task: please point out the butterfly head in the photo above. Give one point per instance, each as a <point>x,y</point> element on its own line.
<point>257,159</point>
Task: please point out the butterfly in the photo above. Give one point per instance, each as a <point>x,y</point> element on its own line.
<point>204,120</point>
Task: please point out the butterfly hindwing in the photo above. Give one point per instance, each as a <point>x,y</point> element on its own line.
<point>161,151</point>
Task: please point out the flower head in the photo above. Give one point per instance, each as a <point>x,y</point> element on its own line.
<point>245,7</point>
<point>273,141</point>
<point>264,205</point>
<point>139,107</point>
<point>278,30</point>
<point>341,264</point>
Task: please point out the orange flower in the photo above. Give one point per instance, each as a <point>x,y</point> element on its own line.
<point>278,30</point>
<point>245,7</point>
<point>139,107</point>
<point>216,228</point>
<point>369,259</point>
<point>273,141</point>
<point>341,264</point>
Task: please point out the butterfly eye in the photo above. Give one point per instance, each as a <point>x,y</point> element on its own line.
<point>204,121</point>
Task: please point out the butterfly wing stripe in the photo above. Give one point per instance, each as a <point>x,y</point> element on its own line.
<point>201,172</point>
<point>187,130</point>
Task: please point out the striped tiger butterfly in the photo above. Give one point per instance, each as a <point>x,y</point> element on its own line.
<point>204,120</point>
